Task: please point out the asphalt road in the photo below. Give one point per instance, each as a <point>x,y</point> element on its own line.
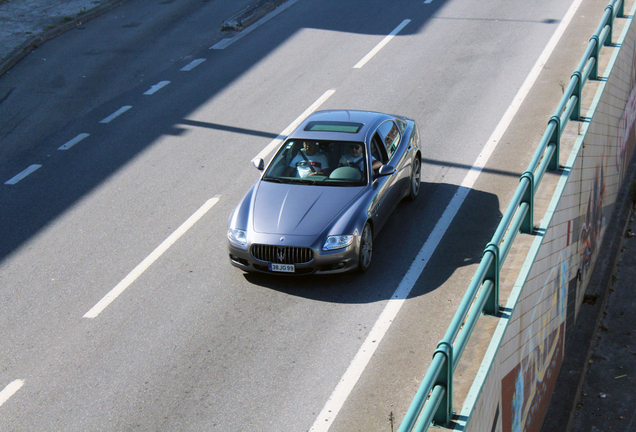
<point>191,343</point>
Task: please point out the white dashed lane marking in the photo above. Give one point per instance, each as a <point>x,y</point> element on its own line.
<point>381,45</point>
<point>23,174</point>
<point>150,259</point>
<point>116,114</point>
<point>289,129</point>
<point>74,141</point>
<point>10,390</point>
<point>155,88</point>
<point>192,65</point>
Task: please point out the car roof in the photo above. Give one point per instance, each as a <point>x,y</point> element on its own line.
<point>368,120</point>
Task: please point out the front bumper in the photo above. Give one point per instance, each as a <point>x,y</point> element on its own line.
<point>323,262</point>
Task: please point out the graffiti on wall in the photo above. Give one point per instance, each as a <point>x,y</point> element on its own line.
<point>594,221</point>
<point>625,137</point>
<point>527,388</point>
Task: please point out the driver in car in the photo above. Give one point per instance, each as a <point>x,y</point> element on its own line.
<point>308,161</point>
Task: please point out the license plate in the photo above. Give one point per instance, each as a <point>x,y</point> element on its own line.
<point>286,268</point>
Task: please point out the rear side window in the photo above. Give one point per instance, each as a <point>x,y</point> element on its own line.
<point>390,136</point>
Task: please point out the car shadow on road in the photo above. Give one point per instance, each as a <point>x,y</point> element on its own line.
<point>398,244</point>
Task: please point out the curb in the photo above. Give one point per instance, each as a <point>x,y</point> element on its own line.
<point>236,23</point>
<point>33,42</point>
<point>250,14</point>
<point>579,348</point>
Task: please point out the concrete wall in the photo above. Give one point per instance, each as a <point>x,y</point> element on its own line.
<point>513,386</point>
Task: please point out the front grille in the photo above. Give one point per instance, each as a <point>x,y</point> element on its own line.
<point>282,254</point>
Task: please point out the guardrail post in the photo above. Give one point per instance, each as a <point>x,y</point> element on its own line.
<point>445,378</point>
<point>608,39</point>
<point>595,50</point>
<point>492,304</point>
<point>576,91</point>
<point>621,9</point>
<point>556,139</point>
<point>527,226</point>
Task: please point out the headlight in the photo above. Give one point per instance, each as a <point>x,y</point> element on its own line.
<point>237,237</point>
<point>337,242</point>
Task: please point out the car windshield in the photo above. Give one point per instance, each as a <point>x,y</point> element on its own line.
<point>324,163</point>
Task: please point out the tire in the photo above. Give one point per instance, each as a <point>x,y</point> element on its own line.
<point>366,248</point>
<point>416,175</point>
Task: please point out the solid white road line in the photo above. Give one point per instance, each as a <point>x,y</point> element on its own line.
<point>74,141</point>
<point>13,180</point>
<point>192,65</point>
<point>381,45</point>
<point>10,390</point>
<point>224,43</point>
<point>354,371</point>
<point>289,129</point>
<point>116,114</point>
<point>155,88</point>
<point>138,271</point>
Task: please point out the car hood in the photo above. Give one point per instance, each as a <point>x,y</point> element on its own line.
<point>298,209</point>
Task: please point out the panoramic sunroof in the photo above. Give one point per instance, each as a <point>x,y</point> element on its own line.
<point>333,126</point>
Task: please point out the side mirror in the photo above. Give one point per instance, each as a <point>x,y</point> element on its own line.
<point>259,164</point>
<point>386,170</point>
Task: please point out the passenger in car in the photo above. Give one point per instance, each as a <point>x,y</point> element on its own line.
<point>356,158</point>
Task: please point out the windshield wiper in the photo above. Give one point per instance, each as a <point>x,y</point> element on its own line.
<point>298,180</point>
<point>275,179</point>
<point>303,181</point>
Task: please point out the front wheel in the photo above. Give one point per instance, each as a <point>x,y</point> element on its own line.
<point>416,175</point>
<point>366,248</point>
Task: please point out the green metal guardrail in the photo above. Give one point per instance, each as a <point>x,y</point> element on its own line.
<point>432,403</point>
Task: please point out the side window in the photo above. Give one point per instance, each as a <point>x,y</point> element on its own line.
<point>401,125</point>
<point>377,148</point>
<point>390,136</point>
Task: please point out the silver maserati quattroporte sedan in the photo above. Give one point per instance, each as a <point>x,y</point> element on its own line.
<point>326,194</point>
